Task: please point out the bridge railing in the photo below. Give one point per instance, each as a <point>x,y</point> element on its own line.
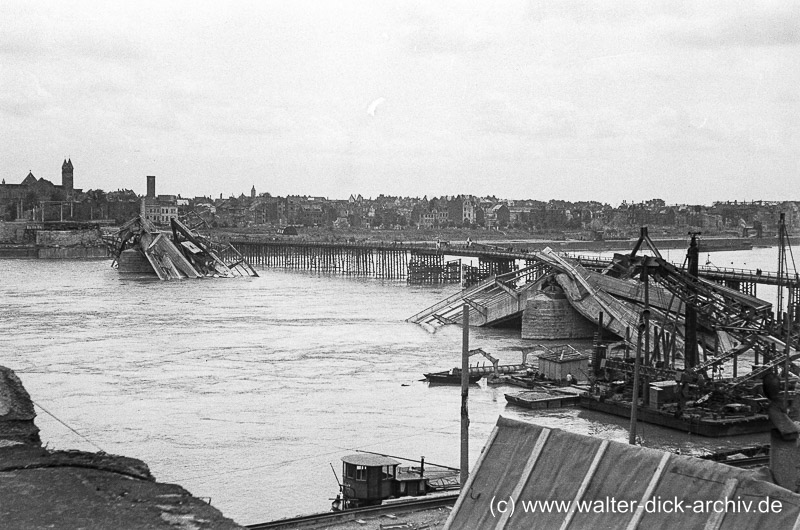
<point>440,246</point>
<point>758,276</point>
<point>400,245</point>
<point>732,273</point>
<point>734,270</point>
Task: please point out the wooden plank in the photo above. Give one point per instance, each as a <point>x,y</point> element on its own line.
<point>651,486</point>
<point>525,475</point>
<point>585,484</point>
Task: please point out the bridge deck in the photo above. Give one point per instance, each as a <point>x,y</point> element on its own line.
<point>719,274</point>
<point>494,300</point>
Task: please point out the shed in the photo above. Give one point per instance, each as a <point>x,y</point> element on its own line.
<point>610,485</point>
<point>556,364</point>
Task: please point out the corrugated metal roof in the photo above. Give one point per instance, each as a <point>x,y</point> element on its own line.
<point>369,459</point>
<point>524,463</point>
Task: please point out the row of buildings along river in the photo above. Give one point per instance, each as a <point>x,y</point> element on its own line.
<point>40,199</point>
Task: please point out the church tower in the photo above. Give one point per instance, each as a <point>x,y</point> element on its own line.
<point>66,177</point>
<point>253,192</point>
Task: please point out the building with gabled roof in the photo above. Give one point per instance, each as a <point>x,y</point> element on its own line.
<point>40,188</point>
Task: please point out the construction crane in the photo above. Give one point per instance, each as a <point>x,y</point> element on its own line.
<point>497,369</point>
<point>746,318</point>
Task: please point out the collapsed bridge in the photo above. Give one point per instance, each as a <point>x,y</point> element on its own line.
<point>686,313</point>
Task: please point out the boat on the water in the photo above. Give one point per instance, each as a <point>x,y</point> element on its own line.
<point>543,398</point>
<point>694,422</point>
<point>747,457</point>
<point>371,479</point>
<point>453,377</point>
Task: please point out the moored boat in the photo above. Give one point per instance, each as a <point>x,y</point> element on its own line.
<point>452,377</point>
<point>696,423</point>
<point>370,479</point>
<point>543,399</point>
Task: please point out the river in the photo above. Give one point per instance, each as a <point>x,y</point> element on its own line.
<point>245,390</point>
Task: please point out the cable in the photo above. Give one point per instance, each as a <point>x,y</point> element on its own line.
<point>791,253</point>
<point>68,427</point>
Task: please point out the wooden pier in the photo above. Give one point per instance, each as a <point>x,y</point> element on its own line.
<point>351,259</point>
<point>414,262</point>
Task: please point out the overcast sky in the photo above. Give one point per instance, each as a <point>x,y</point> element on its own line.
<point>690,101</point>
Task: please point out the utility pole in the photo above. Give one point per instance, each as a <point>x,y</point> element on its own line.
<point>644,326</point>
<point>784,318</point>
<point>693,259</point>
<point>464,394</point>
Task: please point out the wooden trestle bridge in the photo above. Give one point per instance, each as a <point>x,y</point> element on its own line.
<point>439,262</point>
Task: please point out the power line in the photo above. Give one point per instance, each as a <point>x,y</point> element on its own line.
<point>68,427</point>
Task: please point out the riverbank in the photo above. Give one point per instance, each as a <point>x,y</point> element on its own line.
<point>51,241</point>
<point>42,488</point>
<point>40,252</point>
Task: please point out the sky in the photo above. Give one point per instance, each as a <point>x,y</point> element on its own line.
<point>686,101</point>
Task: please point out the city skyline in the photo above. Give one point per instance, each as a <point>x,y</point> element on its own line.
<point>688,102</point>
<point>414,196</point>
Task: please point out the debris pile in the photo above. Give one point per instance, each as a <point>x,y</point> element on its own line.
<point>183,253</point>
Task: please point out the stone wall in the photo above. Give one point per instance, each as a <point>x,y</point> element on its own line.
<point>69,238</point>
<point>548,315</point>
<point>12,231</point>
<point>72,253</point>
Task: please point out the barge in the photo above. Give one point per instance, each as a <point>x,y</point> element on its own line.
<point>453,377</point>
<point>542,399</point>
<point>701,423</point>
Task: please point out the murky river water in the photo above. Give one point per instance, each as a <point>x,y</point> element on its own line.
<point>244,390</point>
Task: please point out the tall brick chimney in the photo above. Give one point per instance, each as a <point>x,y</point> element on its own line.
<point>151,187</point>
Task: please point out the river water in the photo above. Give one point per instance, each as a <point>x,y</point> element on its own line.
<point>245,390</point>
